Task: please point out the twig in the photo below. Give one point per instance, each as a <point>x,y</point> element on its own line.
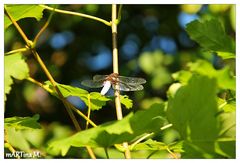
<point>44,27</point>
<point>119,13</point>
<point>89,110</point>
<point>140,139</point>
<point>172,154</point>
<point>16,51</point>
<point>106,152</point>
<point>77,14</point>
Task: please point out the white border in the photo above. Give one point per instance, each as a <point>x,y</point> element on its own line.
<point>122,2</point>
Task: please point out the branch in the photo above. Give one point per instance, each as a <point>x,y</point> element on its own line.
<point>77,14</point>
<point>115,70</point>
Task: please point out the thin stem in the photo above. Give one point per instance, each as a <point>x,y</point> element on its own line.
<point>165,127</point>
<point>77,14</point>
<point>115,70</point>
<point>119,13</point>
<point>16,51</point>
<point>148,157</point>
<point>89,110</point>
<point>44,27</point>
<point>172,154</point>
<point>140,139</point>
<point>106,152</point>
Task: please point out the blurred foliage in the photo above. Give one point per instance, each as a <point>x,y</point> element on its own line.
<point>189,84</point>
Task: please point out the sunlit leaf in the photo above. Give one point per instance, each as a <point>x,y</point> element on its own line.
<point>227,106</point>
<point>150,145</point>
<point>226,143</point>
<point>112,133</point>
<point>183,76</point>
<point>193,108</point>
<point>126,101</point>
<point>176,146</point>
<point>97,101</point>
<point>16,67</point>
<point>211,35</point>
<point>154,145</point>
<point>224,77</point>
<point>19,11</point>
<point>16,139</point>
<point>22,122</point>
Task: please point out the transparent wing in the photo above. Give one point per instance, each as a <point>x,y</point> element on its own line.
<point>131,80</point>
<point>92,84</point>
<point>128,87</point>
<point>99,77</point>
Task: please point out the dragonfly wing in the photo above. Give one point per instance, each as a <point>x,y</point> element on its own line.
<point>92,84</point>
<point>99,77</point>
<point>128,87</point>
<point>132,80</point>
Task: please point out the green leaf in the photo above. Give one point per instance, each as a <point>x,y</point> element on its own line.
<point>126,101</point>
<point>22,11</point>
<point>193,110</point>
<point>154,145</point>
<point>226,143</point>
<point>112,133</point>
<point>150,145</point>
<point>226,106</point>
<point>20,123</point>
<point>176,146</point>
<point>16,67</point>
<point>183,76</point>
<point>211,35</point>
<point>97,101</point>
<point>224,77</point>
<point>16,139</point>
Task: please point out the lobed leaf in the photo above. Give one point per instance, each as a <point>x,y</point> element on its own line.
<point>211,35</point>
<point>112,133</point>
<point>96,99</point>
<point>128,103</point>
<point>193,110</point>
<point>226,142</point>
<point>225,79</point>
<point>19,11</point>
<point>16,67</point>
<point>20,123</point>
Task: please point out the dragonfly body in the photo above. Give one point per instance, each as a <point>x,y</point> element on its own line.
<point>117,82</point>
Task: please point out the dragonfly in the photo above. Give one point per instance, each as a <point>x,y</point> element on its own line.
<point>120,83</point>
